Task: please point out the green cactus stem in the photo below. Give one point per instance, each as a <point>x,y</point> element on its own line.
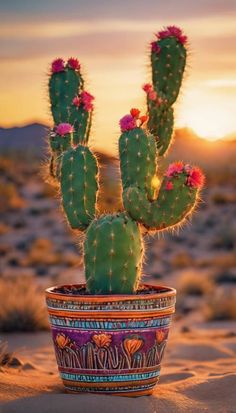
<point>113,252</point>
<point>70,103</point>
<point>168,61</point>
<point>137,158</point>
<point>79,186</point>
<point>60,140</point>
<point>176,196</point>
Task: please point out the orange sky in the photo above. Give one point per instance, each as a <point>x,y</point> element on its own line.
<point>113,48</point>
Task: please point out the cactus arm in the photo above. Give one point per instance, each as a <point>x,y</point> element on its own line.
<point>79,186</point>
<point>138,160</point>
<point>170,208</point>
<point>113,253</point>
<point>63,86</point>
<point>179,189</point>
<point>70,103</point>
<point>168,61</point>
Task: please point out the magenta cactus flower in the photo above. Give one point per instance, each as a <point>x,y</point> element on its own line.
<point>58,65</point>
<point>155,47</point>
<point>172,31</point>
<point>128,122</point>
<point>76,101</point>
<point>73,63</point>
<point>87,99</point>
<point>64,128</point>
<point>174,169</point>
<point>196,178</point>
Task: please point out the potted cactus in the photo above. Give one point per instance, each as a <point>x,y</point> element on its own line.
<point>110,333</point>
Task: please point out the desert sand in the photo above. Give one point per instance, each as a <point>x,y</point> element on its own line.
<point>198,375</point>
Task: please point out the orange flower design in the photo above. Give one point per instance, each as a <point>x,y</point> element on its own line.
<point>102,340</point>
<point>132,345</point>
<point>161,336</point>
<point>63,341</point>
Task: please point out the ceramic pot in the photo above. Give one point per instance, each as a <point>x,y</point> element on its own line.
<point>110,344</point>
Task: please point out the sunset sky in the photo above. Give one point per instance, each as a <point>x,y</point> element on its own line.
<point>111,40</point>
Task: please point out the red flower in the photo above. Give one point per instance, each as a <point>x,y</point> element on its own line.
<point>196,178</point>
<point>58,65</point>
<point>87,100</point>
<point>76,101</point>
<point>147,87</point>
<point>169,186</point>
<point>135,113</point>
<point>143,119</point>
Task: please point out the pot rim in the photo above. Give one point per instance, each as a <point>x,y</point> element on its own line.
<point>167,292</point>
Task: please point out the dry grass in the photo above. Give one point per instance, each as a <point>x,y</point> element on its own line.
<point>22,306</point>
<point>4,355</point>
<point>191,283</point>
<point>221,305</point>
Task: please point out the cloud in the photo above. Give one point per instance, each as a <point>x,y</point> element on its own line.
<point>133,9</point>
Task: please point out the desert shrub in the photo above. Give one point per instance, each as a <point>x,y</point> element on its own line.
<point>4,355</point>
<point>220,198</point>
<point>22,306</point>
<point>221,305</point>
<point>181,260</point>
<point>10,198</point>
<point>191,283</point>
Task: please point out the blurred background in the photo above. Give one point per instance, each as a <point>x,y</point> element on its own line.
<point>111,40</point>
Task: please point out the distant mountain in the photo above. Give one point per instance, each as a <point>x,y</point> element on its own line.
<point>187,146</point>
<point>30,138</point>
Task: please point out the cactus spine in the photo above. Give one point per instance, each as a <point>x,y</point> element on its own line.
<point>113,245</point>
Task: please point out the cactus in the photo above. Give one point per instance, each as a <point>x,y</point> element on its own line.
<point>113,243</point>
<point>70,103</point>
<point>168,60</point>
<point>113,253</point>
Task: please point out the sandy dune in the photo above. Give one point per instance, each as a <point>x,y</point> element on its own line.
<point>198,375</point>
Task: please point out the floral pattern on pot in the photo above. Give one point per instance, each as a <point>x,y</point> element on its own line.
<point>109,351</point>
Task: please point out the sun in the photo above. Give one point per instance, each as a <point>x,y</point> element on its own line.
<point>210,117</point>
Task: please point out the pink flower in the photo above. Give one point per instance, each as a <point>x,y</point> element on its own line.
<point>155,47</point>
<point>175,168</point>
<point>64,128</point>
<point>152,95</point>
<point>183,39</point>
<point>147,87</point>
<point>163,34</point>
<point>196,178</point>
<point>174,31</point>
<point>76,101</point>
<point>87,99</point>
<point>169,186</point>
<point>58,65</point>
<point>73,63</point>
<point>128,122</point>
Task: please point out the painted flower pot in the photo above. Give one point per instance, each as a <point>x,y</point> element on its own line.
<point>110,344</point>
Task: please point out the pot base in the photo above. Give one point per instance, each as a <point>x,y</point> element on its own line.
<point>120,394</point>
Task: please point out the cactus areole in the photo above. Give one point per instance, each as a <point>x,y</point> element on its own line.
<point>110,333</point>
